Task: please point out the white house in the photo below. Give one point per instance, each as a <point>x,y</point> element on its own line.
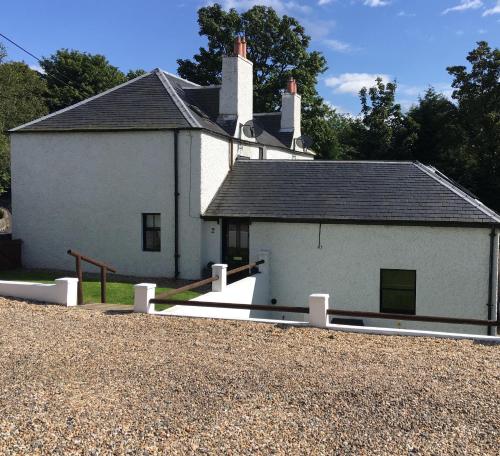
<point>160,176</point>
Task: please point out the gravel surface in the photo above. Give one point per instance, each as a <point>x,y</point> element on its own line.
<point>83,382</point>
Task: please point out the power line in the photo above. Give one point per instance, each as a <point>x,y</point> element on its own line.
<point>36,58</point>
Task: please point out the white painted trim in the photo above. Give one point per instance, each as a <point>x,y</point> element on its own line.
<point>68,108</point>
<point>431,172</point>
<point>177,100</point>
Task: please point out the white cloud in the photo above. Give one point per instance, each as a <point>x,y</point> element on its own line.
<point>354,82</point>
<point>376,3</point>
<point>281,6</point>
<point>494,10</point>
<point>338,46</point>
<point>324,2</point>
<point>464,5</point>
<point>403,13</point>
<point>317,29</point>
<point>37,67</point>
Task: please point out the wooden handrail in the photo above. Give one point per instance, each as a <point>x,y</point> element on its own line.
<point>97,263</point>
<point>429,318</point>
<point>79,273</point>
<point>200,283</point>
<point>232,305</point>
<point>191,286</point>
<point>243,268</point>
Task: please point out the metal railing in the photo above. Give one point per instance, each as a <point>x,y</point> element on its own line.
<point>79,273</point>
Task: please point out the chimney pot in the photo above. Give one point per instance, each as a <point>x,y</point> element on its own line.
<point>244,47</point>
<point>237,45</point>
<point>291,86</point>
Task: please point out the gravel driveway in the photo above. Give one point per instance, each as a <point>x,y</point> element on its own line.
<point>83,382</point>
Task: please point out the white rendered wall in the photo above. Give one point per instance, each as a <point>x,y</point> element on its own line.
<point>87,191</point>
<point>279,154</point>
<point>452,267</point>
<point>236,93</point>
<point>290,113</point>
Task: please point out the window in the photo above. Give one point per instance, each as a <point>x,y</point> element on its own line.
<point>398,291</point>
<point>151,232</point>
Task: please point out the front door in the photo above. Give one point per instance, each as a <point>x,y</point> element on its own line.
<point>235,244</point>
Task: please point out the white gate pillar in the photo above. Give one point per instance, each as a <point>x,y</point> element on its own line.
<point>318,305</point>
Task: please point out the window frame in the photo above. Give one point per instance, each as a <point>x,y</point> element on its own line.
<point>146,229</point>
<point>403,312</point>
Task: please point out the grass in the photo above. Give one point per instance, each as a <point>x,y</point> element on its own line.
<point>116,292</point>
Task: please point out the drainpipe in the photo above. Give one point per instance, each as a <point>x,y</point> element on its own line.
<point>491,280</point>
<point>176,202</point>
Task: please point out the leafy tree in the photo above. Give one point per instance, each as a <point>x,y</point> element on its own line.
<point>278,47</point>
<point>21,100</point>
<point>73,76</point>
<point>440,138</point>
<point>3,52</point>
<point>132,74</point>
<point>477,92</point>
<point>383,132</point>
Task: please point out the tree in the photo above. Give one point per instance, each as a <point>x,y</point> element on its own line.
<point>21,100</point>
<point>73,76</point>
<point>383,132</point>
<point>3,52</point>
<point>132,74</point>
<point>278,47</point>
<point>440,138</point>
<point>477,92</point>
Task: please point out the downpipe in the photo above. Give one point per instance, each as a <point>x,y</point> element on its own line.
<point>491,279</point>
<point>176,203</point>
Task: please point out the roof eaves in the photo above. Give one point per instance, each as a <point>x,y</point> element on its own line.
<point>177,99</point>
<point>80,103</point>
<point>430,171</point>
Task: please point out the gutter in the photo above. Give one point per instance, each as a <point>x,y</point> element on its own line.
<point>176,203</point>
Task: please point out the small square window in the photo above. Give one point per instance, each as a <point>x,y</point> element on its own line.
<point>151,232</point>
<point>398,291</point>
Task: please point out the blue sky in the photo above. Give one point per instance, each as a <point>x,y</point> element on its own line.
<point>410,40</point>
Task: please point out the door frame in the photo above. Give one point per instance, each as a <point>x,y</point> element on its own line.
<point>224,224</point>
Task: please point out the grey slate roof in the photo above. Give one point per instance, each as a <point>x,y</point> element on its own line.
<point>157,100</point>
<point>336,191</point>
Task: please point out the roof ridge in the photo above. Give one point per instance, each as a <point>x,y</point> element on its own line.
<point>80,103</point>
<point>177,99</point>
<point>177,77</point>
<point>445,182</point>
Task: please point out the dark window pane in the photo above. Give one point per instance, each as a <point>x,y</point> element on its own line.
<point>232,236</point>
<point>151,233</point>
<point>152,240</point>
<point>397,291</point>
<point>397,278</point>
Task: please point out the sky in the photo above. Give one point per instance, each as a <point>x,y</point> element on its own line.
<point>411,41</point>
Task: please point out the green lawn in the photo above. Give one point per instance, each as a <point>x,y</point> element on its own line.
<point>116,292</point>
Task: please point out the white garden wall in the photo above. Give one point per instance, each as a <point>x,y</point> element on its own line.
<point>452,267</point>
<point>62,291</point>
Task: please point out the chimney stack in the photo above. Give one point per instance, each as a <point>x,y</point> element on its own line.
<point>290,109</point>
<point>236,93</point>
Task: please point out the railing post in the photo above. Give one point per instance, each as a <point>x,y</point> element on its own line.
<point>143,293</point>
<point>318,305</point>
<point>104,273</point>
<point>79,276</point>
<point>219,270</point>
